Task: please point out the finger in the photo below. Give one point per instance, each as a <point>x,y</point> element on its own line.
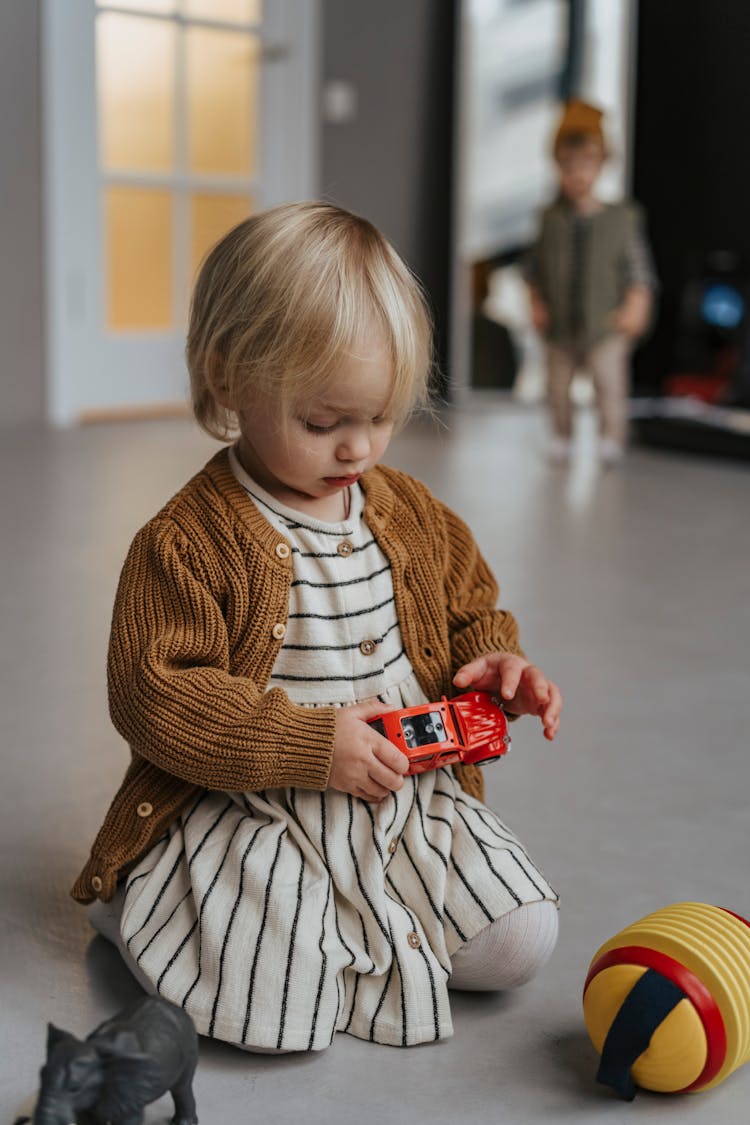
<point>511,679</point>
<point>470,672</point>
<point>369,708</point>
<point>554,706</point>
<point>375,791</point>
<point>390,756</point>
<point>537,684</point>
<point>365,796</point>
<point>389,779</point>
<point>551,713</point>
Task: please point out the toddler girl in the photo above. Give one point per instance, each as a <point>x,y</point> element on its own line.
<point>591,283</point>
<point>266,863</point>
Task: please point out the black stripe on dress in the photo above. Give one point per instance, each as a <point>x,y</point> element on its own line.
<point>321,978</point>
<point>339,648</point>
<point>324,849</point>
<point>204,903</point>
<point>404,1017</point>
<point>331,554</point>
<point>517,843</point>
<point>365,896</point>
<point>292,525</point>
<point>340,616</point>
<point>433,905</point>
<point>375,840</point>
<point>261,931</point>
<point>171,875</point>
<point>287,677</point>
<point>230,924</point>
<point>290,955</point>
<point>443,859</point>
<point>471,891</point>
<point>425,958</point>
<point>485,852</point>
<point>379,1004</point>
<point>340,582</point>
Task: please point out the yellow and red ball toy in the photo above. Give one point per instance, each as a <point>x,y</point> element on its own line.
<point>667,1000</point>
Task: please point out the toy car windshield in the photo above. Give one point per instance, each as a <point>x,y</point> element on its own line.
<point>424,730</point>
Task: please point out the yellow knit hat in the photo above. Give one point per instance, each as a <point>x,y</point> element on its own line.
<point>580,119</point>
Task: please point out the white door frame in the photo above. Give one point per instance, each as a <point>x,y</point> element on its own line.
<point>74,261</point>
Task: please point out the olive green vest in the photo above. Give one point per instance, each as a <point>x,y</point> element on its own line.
<point>603,276</point>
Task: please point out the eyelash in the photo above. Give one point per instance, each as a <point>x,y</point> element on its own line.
<point>313,429</point>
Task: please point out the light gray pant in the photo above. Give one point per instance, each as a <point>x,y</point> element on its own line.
<point>608,362</point>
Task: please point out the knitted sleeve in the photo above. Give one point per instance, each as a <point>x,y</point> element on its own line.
<point>171,693</point>
<point>475,624</point>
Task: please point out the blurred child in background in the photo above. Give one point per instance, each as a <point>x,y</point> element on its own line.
<point>591,283</point>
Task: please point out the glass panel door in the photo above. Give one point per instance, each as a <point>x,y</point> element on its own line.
<point>168,122</point>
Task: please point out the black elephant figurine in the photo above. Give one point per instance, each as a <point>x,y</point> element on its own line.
<point>121,1067</point>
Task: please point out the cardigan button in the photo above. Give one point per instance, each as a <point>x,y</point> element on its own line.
<point>145,809</point>
<point>393,845</point>
<point>414,939</point>
<point>344,548</point>
<point>283,550</point>
<point>96,883</point>
<point>367,647</point>
<point>279,630</point>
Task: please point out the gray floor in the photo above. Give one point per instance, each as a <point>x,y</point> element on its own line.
<point>633,591</point>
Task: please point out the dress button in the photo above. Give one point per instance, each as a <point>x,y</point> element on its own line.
<point>344,548</point>
<point>145,809</point>
<point>393,845</point>
<point>96,883</point>
<point>282,550</point>
<point>367,648</point>
<point>414,939</point>
<point>279,630</point>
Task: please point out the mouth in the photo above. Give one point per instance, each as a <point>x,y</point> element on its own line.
<point>342,482</point>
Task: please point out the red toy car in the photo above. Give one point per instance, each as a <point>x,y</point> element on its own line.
<point>470,728</point>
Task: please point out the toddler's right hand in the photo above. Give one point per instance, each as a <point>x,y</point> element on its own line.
<point>364,763</point>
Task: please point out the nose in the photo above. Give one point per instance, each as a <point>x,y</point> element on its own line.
<point>355,444</point>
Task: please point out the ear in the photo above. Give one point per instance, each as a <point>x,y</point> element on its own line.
<point>56,1035</point>
<point>122,1045</point>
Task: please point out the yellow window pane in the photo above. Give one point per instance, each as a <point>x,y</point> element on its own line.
<point>240,11</point>
<point>160,7</point>
<point>211,217</point>
<point>222,96</point>
<point>139,258</point>
<point>135,61</point>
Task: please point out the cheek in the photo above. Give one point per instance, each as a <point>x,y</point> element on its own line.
<point>383,438</point>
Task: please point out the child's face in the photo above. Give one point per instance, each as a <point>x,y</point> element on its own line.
<point>578,169</point>
<point>342,433</point>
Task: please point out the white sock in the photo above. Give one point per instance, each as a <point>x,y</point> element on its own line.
<point>508,952</point>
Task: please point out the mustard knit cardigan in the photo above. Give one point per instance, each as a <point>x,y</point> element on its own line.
<point>196,630</point>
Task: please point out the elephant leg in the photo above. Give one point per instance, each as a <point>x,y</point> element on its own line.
<point>184,1102</point>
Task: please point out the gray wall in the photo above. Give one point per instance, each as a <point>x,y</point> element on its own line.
<point>393,162</point>
<point>22,391</point>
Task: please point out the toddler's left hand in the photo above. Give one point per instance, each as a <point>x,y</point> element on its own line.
<point>632,317</point>
<point>523,687</point>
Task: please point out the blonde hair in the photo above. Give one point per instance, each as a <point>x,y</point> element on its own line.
<point>284,296</point>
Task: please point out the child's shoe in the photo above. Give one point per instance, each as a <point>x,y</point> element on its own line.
<point>610,451</point>
<point>558,450</point>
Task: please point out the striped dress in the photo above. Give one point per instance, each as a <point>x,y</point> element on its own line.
<point>281,917</point>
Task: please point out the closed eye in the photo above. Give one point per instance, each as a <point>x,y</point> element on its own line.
<point>313,428</point>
